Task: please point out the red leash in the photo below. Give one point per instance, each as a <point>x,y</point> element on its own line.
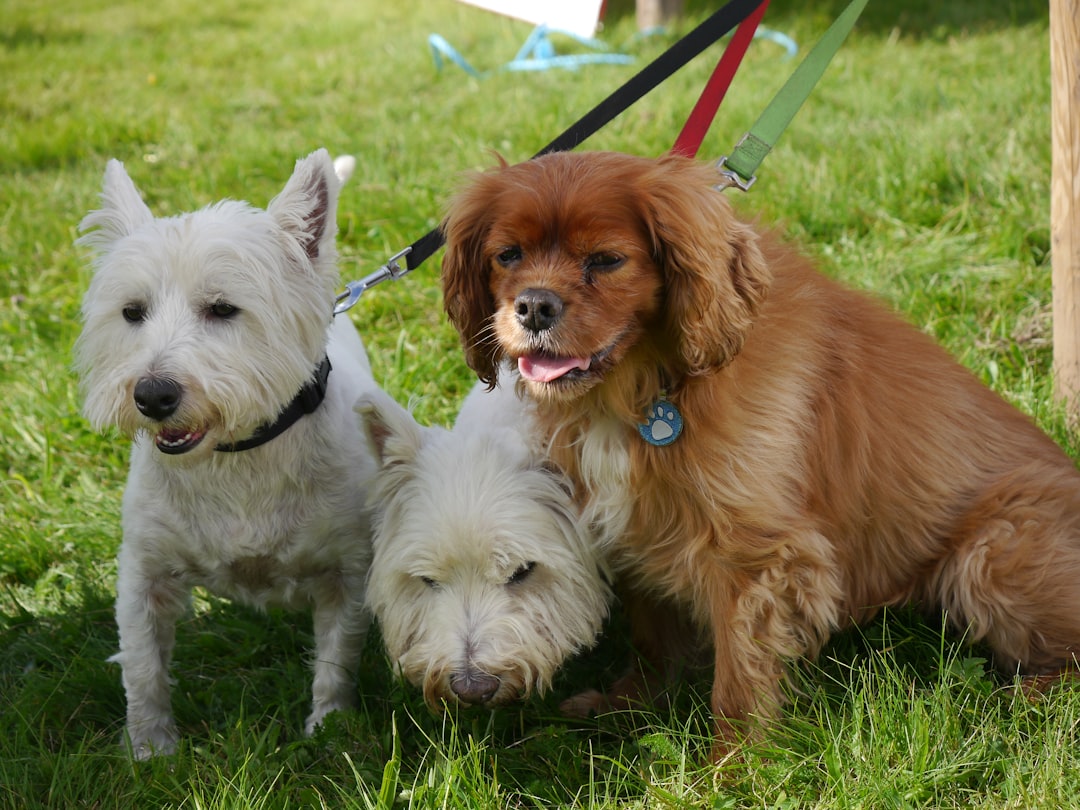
<point>701,117</point>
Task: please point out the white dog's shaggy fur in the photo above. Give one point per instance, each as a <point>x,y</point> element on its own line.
<point>484,578</point>
<point>199,330</point>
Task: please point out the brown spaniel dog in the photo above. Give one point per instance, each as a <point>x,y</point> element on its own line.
<point>769,455</point>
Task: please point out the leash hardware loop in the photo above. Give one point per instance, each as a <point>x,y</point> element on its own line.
<point>732,177</point>
<point>354,289</point>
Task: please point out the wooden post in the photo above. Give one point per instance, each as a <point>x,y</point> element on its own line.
<point>1065,198</point>
<point>652,13</point>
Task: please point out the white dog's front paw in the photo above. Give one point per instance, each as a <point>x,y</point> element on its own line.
<point>152,740</point>
<point>319,713</point>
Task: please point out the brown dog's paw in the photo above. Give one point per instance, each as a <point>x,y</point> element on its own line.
<point>632,689</point>
<point>585,704</point>
<point>1035,687</point>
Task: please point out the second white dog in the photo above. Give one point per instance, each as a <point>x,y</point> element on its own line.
<point>208,340</point>
<point>484,578</point>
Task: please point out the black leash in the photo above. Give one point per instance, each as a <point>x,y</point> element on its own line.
<point>665,65</point>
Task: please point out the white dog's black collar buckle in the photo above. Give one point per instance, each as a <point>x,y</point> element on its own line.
<point>306,401</point>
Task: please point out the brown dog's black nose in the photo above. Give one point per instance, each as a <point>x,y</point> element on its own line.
<point>474,687</point>
<point>157,397</point>
<point>538,309</point>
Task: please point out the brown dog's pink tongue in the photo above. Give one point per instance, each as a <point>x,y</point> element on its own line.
<point>542,368</point>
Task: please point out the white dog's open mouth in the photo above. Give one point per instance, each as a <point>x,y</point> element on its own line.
<point>175,441</point>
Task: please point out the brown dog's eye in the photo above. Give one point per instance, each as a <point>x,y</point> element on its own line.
<point>603,261</point>
<point>509,256</point>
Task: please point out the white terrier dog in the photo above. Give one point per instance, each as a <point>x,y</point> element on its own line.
<point>207,339</point>
<point>484,578</point>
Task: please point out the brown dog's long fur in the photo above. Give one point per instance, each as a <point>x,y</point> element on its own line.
<point>834,460</point>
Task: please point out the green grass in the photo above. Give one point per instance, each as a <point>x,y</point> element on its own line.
<point>919,170</point>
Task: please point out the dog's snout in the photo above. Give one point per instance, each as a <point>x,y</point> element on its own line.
<point>538,309</point>
<point>474,687</point>
<point>156,397</point>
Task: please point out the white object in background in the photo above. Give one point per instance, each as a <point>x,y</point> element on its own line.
<point>580,17</point>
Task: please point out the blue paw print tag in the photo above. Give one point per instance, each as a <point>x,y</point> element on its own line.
<point>663,424</point>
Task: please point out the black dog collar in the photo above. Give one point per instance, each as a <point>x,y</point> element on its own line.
<point>306,401</point>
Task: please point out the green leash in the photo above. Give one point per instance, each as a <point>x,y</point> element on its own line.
<point>738,168</point>
<point>663,422</point>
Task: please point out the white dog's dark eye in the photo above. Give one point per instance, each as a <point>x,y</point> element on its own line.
<point>429,582</point>
<point>508,256</point>
<point>134,313</point>
<point>222,310</point>
<point>521,573</point>
<point>603,260</point>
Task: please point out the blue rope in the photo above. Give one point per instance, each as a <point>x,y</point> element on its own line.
<point>538,53</point>
<point>783,40</point>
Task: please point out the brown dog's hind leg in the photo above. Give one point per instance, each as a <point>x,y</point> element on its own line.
<point>1013,578</point>
<point>665,642</point>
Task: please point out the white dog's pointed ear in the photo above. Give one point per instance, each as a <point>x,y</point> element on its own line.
<point>344,167</point>
<point>392,433</point>
<point>307,206</point>
<point>122,210</point>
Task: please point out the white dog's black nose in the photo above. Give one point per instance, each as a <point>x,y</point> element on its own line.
<point>474,687</point>
<point>157,397</point>
<point>538,309</point>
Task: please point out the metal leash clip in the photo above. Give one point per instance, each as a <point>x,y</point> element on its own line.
<point>354,289</point>
<point>731,177</point>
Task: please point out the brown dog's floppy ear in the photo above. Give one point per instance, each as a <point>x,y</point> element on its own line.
<point>466,274</point>
<point>715,274</point>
